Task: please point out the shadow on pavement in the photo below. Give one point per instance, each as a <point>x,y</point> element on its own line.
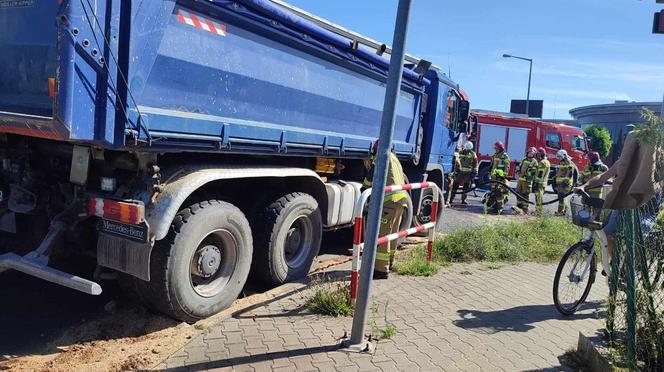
<point>256,358</point>
<point>334,275</point>
<point>517,319</point>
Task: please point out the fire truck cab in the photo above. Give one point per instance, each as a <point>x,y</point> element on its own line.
<point>518,133</point>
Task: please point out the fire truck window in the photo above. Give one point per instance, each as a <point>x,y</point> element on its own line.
<point>579,143</point>
<point>553,140</point>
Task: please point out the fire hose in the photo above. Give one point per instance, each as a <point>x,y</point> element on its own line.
<point>511,190</point>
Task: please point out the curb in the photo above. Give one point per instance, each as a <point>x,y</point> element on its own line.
<point>595,360</point>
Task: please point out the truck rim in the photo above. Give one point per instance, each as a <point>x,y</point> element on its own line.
<point>297,243</point>
<point>213,262</point>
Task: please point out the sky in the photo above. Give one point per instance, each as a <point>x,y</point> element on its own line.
<point>584,52</point>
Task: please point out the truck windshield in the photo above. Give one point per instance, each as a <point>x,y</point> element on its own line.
<point>579,143</point>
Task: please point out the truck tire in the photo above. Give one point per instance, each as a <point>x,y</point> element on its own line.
<point>288,235</point>
<point>203,263</point>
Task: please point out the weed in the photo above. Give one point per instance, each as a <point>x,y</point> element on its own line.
<point>486,266</point>
<point>415,263</point>
<point>466,272</point>
<point>330,298</point>
<point>387,331</point>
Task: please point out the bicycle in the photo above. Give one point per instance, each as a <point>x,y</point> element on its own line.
<point>578,278</point>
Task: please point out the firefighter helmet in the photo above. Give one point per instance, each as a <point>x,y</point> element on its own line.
<point>532,151</point>
<point>468,146</point>
<point>593,156</point>
<point>499,146</point>
<point>562,154</point>
<point>498,173</point>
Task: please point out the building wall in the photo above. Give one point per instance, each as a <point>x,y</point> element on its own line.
<point>615,117</point>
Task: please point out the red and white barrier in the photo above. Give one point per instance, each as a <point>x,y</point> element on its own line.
<point>358,245</point>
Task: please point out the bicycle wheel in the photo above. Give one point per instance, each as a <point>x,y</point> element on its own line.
<point>574,278</point>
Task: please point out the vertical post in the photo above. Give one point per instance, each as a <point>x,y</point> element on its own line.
<point>380,173</point>
<point>630,290</point>
<point>530,74</point>
<point>432,231</point>
<point>354,274</point>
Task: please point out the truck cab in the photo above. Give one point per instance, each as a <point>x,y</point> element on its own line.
<point>519,133</point>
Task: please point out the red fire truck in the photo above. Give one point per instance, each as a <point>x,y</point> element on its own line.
<point>518,133</point>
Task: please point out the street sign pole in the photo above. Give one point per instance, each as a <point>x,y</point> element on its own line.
<point>357,341</point>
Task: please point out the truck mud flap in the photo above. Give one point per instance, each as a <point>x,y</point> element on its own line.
<point>125,255</point>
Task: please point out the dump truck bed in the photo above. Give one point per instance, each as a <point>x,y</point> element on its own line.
<point>242,76</point>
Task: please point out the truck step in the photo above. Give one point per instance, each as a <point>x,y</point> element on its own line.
<point>34,268</point>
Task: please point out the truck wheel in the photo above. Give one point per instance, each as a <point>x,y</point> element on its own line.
<point>202,265</point>
<point>288,236</point>
<point>406,218</point>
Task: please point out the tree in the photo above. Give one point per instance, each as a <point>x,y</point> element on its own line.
<point>600,139</point>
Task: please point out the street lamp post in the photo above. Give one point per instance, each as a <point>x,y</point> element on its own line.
<point>530,74</point>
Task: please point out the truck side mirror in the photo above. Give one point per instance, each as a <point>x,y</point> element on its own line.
<point>464,110</point>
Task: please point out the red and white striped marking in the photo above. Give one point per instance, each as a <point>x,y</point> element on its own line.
<point>358,245</point>
<point>201,22</point>
<point>408,186</point>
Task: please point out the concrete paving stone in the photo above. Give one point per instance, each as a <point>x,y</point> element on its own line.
<point>243,368</point>
<point>221,369</point>
<point>263,366</point>
<point>324,366</point>
<point>288,368</point>
<point>234,337</point>
<point>237,350</point>
<point>274,346</point>
<point>196,355</point>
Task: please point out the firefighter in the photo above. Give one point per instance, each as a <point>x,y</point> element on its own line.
<point>496,198</point>
<point>501,162</point>
<point>541,178</point>
<point>393,209</point>
<point>564,179</point>
<point>466,171</point>
<point>594,168</point>
<point>527,172</point>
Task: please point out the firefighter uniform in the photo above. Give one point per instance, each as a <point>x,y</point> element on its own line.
<point>591,171</point>
<point>499,162</point>
<point>498,195</point>
<point>564,182</point>
<point>540,181</point>
<point>465,171</point>
<point>393,208</point>
<point>527,172</point>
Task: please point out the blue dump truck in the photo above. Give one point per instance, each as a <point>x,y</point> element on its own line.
<point>184,147</point>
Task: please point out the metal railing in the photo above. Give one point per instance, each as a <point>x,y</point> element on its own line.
<point>358,245</point>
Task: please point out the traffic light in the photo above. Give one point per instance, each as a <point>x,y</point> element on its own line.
<point>658,22</point>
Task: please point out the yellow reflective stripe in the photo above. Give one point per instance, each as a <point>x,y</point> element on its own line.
<point>395,196</point>
<point>381,256</point>
<point>366,183</point>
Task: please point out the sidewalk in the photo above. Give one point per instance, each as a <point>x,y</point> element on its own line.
<point>465,318</point>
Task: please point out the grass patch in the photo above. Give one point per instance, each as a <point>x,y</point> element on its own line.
<point>415,263</point>
<point>486,266</point>
<point>544,239</point>
<point>330,298</point>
